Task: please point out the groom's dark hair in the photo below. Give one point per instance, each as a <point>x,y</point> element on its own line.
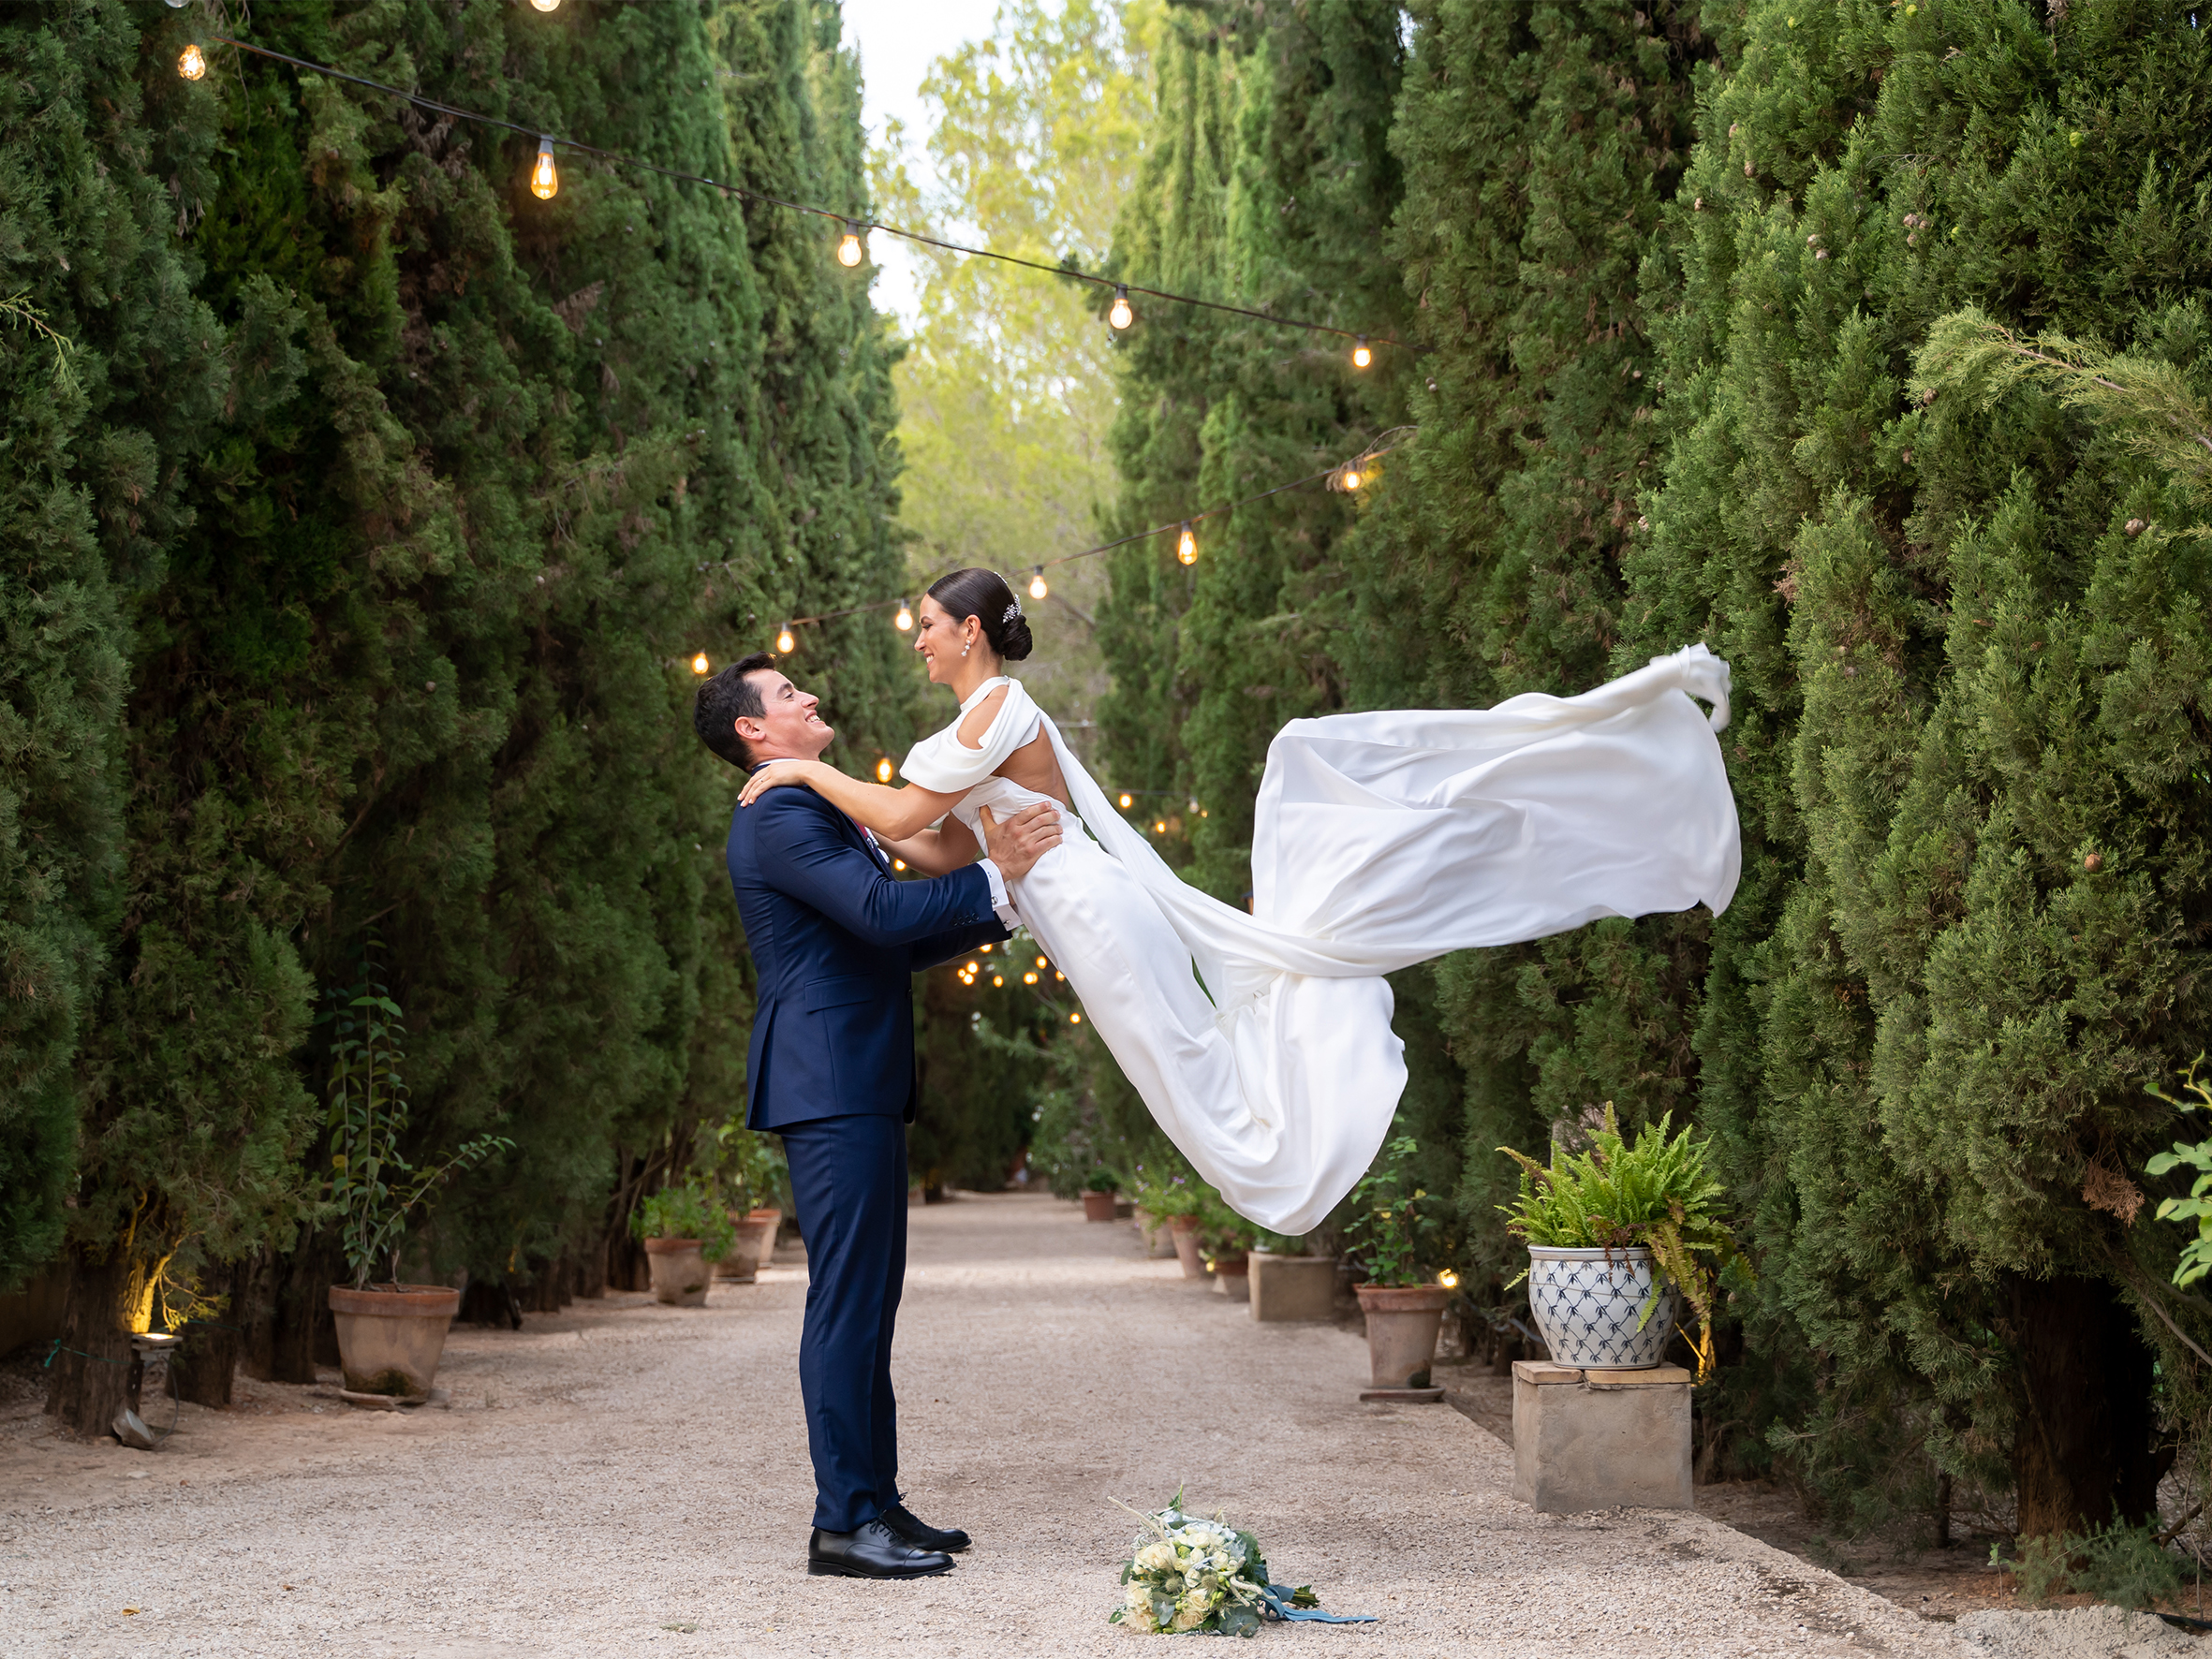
<point>724,700</point>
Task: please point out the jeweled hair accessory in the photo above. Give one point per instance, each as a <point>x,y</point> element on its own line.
<point>1012,612</point>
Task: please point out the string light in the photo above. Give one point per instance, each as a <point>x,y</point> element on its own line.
<point>699,664</point>
<point>1360,356</point>
<point>1075,1018</point>
<point>849,251</point>
<point>1037,588</point>
<point>973,968</point>
<point>191,64</point>
<point>1058,975</point>
<point>1187,545</point>
<point>544,177</point>
<point>547,4</point>
<point>1448,1279</point>
<point>1351,479</point>
<point>898,863</point>
<point>1122,314</point>
<point>1040,962</point>
<point>904,620</point>
<point>998,979</point>
<point>1127,800</point>
<point>1029,979</point>
<point>883,770</point>
<point>1159,826</point>
<point>784,643</point>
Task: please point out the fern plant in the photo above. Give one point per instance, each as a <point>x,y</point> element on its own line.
<point>1654,1194</point>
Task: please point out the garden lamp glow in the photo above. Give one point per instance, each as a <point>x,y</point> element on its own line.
<point>1121,316</point>
<point>191,64</point>
<point>544,177</point>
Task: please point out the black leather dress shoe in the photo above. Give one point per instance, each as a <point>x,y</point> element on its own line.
<point>900,1519</point>
<point>874,1552</point>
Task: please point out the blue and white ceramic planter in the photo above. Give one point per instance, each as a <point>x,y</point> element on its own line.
<point>1586,1307</point>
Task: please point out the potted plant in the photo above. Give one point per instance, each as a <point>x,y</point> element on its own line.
<point>1158,1241</point>
<point>391,1336</point>
<point>1612,1234</point>
<point>684,1228</point>
<point>1176,1202</point>
<point>1099,1188</point>
<point>749,1177</point>
<point>1393,1232</point>
<point>1225,1240</point>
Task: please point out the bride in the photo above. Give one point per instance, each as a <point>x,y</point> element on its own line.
<point>1262,1042</point>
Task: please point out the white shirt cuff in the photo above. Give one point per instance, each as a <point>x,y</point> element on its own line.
<point>999,902</point>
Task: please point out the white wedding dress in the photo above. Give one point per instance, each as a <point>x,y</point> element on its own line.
<point>1262,1042</point>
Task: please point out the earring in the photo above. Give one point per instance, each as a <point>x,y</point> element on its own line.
<point>966,647</point>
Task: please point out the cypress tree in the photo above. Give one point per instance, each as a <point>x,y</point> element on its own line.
<point>1973,907</point>
<point>486,471</point>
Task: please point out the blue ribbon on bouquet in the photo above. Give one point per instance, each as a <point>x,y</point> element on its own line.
<point>1275,1604</point>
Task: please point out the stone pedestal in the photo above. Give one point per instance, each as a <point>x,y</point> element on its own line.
<point>1291,1287</point>
<point>1595,1439</point>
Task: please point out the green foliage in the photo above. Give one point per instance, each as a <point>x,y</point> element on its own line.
<point>374,1190</point>
<point>2196,1255</point>
<point>1653,1193</point>
<point>690,1209</point>
<point>1397,1229</point>
<point>2128,1567</point>
<point>748,1171</point>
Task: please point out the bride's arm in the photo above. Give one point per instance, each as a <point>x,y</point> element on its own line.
<point>939,851</point>
<point>894,815</point>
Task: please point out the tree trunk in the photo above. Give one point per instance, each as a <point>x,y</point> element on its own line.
<point>2085,1447</point>
<point>206,1361</point>
<point>91,1368</point>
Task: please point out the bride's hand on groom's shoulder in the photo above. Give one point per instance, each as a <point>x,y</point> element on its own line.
<point>770,775</point>
<point>1016,844</point>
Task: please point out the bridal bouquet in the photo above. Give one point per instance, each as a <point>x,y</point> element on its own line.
<point>1188,1574</point>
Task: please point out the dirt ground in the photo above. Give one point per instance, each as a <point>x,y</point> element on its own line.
<point>624,1477</point>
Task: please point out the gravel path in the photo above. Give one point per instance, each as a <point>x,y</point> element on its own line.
<point>626,1479</point>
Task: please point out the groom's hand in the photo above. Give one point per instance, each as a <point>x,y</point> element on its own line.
<point>1021,840</point>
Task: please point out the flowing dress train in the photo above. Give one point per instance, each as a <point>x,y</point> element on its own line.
<point>1262,1042</point>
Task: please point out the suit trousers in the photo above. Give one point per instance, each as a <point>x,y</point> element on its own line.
<point>848,1183</point>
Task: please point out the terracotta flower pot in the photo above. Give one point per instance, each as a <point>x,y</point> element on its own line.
<point>756,1238</point>
<point>679,1271</point>
<point>1232,1277</point>
<point>1403,1321</point>
<point>1184,1229</point>
<point>391,1336</point>
<point>1097,1206</point>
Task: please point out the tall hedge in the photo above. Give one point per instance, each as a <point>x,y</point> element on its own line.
<point>462,480</point>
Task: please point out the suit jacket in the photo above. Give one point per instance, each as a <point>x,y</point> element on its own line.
<point>836,938</point>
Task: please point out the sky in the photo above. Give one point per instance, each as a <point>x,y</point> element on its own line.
<point>898,41</point>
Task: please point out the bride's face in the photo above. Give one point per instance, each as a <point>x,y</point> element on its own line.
<point>939,636</point>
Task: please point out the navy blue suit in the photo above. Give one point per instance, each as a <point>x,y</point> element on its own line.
<point>834,939</point>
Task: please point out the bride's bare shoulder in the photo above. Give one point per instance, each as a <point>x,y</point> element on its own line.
<point>977,719</point>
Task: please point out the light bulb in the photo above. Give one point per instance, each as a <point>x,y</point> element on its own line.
<point>973,968</point>
<point>1075,1018</point>
<point>699,664</point>
<point>883,770</point>
<point>904,620</point>
<point>190,65</point>
<point>1029,979</point>
<point>1040,962</point>
<point>998,979</point>
<point>898,863</point>
<point>547,4</point>
<point>1127,800</point>
<point>544,177</point>
<point>849,251</point>
<point>1352,479</point>
<point>986,949</point>
<point>1159,826</point>
<point>1037,588</point>
<point>785,643</point>
<point>1448,1279</point>
<point>1187,546</point>
<point>1058,975</point>
<point>1121,316</point>
<point>1360,356</point>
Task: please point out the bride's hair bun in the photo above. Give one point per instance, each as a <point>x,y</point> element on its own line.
<point>984,595</point>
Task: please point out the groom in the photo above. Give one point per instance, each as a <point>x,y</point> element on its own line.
<point>834,938</point>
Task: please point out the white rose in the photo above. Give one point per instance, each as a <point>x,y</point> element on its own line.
<point>1157,1557</point>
